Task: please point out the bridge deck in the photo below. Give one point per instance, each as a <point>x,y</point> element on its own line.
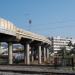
<point>9,28</point>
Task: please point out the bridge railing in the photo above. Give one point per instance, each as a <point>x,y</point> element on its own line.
<point>7,26</point>
<point>33,36</point>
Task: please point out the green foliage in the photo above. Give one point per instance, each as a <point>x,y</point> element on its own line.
<point>62,52</point>
<point>70,44</point>
<point>72,51</point>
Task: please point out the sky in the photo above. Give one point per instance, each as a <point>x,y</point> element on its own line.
<point>49,17</point>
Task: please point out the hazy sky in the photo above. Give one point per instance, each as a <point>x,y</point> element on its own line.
<point>49,17</point>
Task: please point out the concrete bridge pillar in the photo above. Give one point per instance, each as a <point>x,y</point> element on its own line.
<point>39,54</point>
<point>27,53</point>
<point>44,54</point>
<point>24,54</point>
<point>47,53</point>
<point>10,57</point>
<point>32,52</point>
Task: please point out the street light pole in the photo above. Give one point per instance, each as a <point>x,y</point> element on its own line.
<point>30,21</point>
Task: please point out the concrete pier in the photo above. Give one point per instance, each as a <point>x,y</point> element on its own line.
<point>27,53</point>
<point>32,51</point>
<point>24,54</point>
<point>47,51</point>
<point>39,54</point>
<point>44,54</point>
<point>10,57</point>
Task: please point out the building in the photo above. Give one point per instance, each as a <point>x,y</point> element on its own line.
<point>58,42</point>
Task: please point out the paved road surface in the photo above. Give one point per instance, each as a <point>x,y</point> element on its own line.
<point>34,70</point>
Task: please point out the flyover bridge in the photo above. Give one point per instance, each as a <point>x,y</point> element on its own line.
<point>31,41</point>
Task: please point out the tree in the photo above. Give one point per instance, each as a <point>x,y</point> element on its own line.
<point>72,54</point>
<point>70,44</point>
<point>63,53</point>
<point>51,46</point>
<point>72,51</point>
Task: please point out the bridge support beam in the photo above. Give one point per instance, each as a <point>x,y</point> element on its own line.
<point>10,57</point>
<point>39,54</point>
